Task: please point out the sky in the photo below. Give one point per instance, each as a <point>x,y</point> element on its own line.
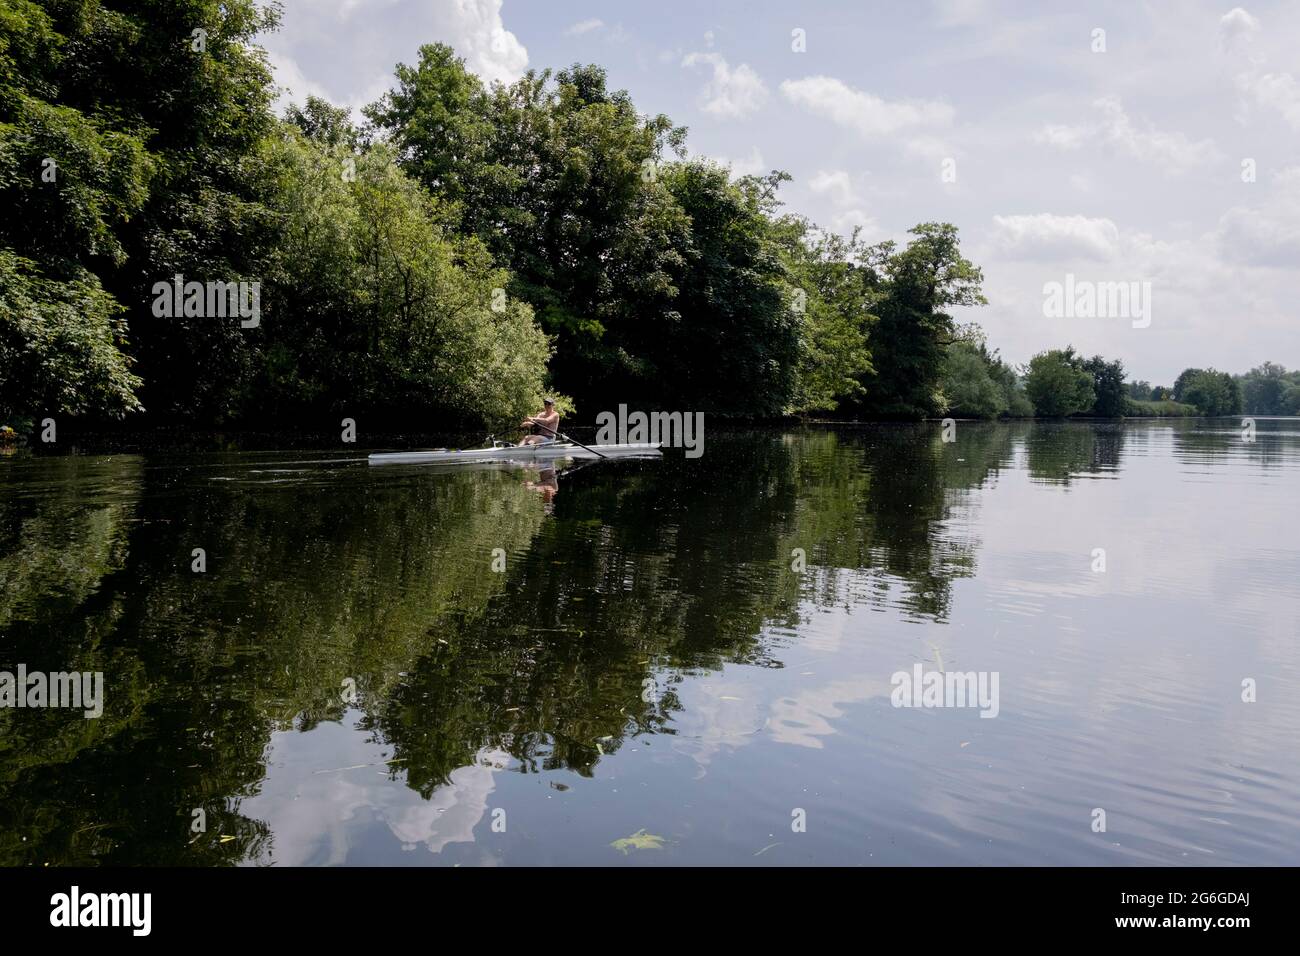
<point>1124,142</point>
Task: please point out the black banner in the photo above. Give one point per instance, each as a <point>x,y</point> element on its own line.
<point>360,905</point>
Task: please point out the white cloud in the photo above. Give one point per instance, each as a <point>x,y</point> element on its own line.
<point>584,26</point>
<point>294,86</point>
<point>1273,91</point>
<point>750,165</point>
<point>1237,26</point>
<point>474,28</point>
<point>1062,136</point>
<point>309,57</point>
<point>930,149</point>
<point>849,219</point>
<point>732,93</point>
<point>838,186</point>
<point>1268,234</point>
<point>836,182</point>
<point>1117,129</point>
<point>1048,236</point>
<point>866,113</point>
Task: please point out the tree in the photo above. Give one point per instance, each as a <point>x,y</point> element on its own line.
<point>833,298</point>
<point>1109,398</point>
<point>439,119</point>
<point>1184,379</point>
<point>968,386</point>
<point>153,130</point>
<point>1290,404</point>
<point>324,123</point>
<point>561,181</point>
<point>378,306</point>
<point>736,344</point>
<point>61,347</point>
<point>908,343</point>
<point>1264,389</point>
<point>1057,385</point>
<point>1212,393</point>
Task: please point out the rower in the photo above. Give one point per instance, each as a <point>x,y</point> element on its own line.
<point>547,423</point>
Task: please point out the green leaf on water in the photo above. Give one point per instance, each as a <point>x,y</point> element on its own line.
<point>639,841</point>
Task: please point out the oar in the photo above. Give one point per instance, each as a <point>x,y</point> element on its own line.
<point>579,444</point>
<point>574,440</point>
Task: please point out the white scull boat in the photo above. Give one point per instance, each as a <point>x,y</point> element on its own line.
<point>513,453</point>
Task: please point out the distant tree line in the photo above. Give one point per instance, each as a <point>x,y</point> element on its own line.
<point>460,251</point>
<point>1267,389</point>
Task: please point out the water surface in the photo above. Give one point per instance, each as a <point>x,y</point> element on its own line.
<point>423,666</point>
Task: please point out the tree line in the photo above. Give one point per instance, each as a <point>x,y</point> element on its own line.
<point>450,257</point>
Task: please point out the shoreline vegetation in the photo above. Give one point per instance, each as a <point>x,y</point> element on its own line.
<point>457,253</point>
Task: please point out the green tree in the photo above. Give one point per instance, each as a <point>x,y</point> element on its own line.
<point>560,178</point>
<point>833,297</point>
<point>968,387</point>
<point>1213,393</point>
<point>1264,389</point>
<point>377,305</point>
<point>909,341</point>
<point>61,347</point>
<point>1109,393</point>
<point>151,115</point>
<point>1056,384</point>
<point>324,123</point>
<point>735,348</point>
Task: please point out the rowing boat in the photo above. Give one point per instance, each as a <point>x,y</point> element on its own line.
<point>513,453</point>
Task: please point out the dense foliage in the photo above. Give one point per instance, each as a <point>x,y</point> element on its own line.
<point>977,383</point>
<point>1210,392</point>
<point>464,250</point>
<point>1270,389</point>
<point>1058,385</point>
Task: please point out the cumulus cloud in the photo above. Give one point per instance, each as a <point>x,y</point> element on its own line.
<point>835,182</point>
<point>1279,92</point>
<point>865,113</point>
<point>731,92</point>
<point>1270,90</point>
<point>1048,236</point>
<point>309,56</point>
<point>838,186</point>
<point>294,85</point>
<point>1235,27</point>
<point>476,31</point>
<point>1268,234</point>
<point>1115,128</point>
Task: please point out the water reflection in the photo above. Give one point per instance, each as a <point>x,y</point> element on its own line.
<point>356,676</point>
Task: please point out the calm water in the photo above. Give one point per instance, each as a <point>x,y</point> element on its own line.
<point>649,661</point>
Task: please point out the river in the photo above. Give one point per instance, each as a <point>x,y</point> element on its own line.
<point>310,661</point>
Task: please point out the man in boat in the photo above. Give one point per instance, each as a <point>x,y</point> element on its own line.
<point>547,424</point>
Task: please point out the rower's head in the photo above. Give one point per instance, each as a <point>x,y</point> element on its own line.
<point>548,402</point>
